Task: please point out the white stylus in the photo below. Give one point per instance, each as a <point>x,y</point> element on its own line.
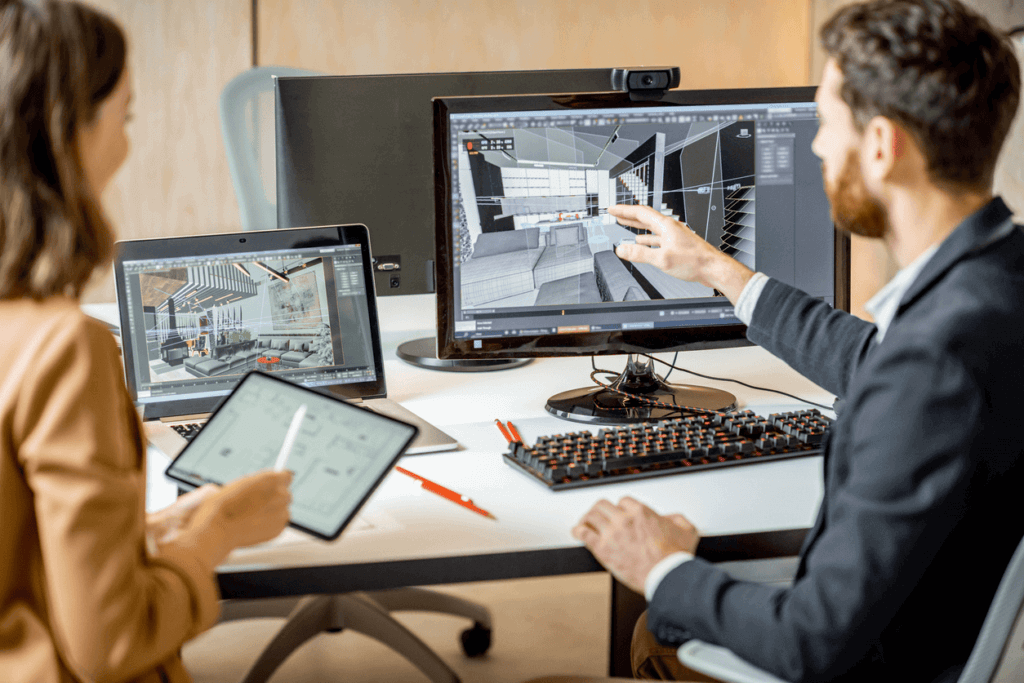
<point>289,438</point>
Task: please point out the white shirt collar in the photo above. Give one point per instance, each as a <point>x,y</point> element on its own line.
<point>883,305</point>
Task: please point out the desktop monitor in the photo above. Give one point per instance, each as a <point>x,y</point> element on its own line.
<point>525,244</point>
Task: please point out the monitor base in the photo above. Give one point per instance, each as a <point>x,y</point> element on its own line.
<point>423,354</point>
<point>605,406</point>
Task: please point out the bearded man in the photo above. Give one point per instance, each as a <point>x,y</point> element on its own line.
<point>923,470</point>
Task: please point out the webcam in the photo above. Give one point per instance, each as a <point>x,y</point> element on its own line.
<point>645,83</point>
<point>242,240</point>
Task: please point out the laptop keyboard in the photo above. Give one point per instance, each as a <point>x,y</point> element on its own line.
<point>188,429</point>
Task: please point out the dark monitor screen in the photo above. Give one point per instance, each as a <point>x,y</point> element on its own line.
<point>357,149</point>
<point>525,244</point>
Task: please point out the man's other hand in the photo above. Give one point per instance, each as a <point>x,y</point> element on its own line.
<point>628,539</point>
<point>679,251</point>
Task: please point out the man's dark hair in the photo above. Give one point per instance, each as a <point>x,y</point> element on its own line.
<point>937,69</point>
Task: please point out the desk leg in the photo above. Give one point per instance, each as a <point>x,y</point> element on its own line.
<point>627,607</point>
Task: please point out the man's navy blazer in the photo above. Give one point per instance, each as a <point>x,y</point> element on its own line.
<point>923,478</point>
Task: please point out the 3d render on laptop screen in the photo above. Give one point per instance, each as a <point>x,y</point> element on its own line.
<point>533,243</point>
<point>203,322</point>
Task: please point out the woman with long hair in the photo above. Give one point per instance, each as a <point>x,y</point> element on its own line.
<point>90,587</point>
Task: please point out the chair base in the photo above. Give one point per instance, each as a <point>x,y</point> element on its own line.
<point>366,613</point>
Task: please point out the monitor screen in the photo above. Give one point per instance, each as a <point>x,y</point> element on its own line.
<point>525,244</point>
<point>200,312</point>
<point>357,149</point>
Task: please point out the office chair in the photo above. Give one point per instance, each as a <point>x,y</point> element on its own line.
<point>997,656</point>
<point>247,124</point>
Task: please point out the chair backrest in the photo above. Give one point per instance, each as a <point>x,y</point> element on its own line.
<point>247,125</point>
<point>998,654</point>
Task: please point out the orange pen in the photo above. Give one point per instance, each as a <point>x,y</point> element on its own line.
<point>504,432</point>
<point>515,432</point>
<point>457,498</point>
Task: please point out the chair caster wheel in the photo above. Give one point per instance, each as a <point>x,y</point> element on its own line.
<point>476,640</point>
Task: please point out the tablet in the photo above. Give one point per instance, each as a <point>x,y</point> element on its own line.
<point>340,453</point>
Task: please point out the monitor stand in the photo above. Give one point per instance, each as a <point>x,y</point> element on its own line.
<point>605,406</point>
<point>423,354</point>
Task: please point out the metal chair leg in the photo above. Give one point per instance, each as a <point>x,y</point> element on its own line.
<point>354,611</point>
<point>420,600</point>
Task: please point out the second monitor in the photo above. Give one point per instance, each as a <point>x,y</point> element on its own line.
<point>357,149</point>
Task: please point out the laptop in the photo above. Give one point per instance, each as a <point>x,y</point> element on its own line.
<point>199,312</point>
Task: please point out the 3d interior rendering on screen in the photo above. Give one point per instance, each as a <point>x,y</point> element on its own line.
<point>534,228</point>
<point>218,320</point>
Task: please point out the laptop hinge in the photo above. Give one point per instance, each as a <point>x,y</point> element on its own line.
<point>185,418</point>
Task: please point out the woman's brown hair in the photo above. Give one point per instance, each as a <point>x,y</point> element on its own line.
<point>58,62</point>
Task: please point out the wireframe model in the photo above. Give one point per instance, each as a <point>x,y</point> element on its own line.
<point>532,208</point>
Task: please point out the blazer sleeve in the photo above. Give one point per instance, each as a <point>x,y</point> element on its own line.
<point>115,612</point>
<point>896,500</point>
<point>823,344</point>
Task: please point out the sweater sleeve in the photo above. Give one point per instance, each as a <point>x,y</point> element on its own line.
<point>116,613</point>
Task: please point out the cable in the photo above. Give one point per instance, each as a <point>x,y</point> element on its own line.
<point>650,401</point>
<point>673,406</point>
<point>643,399</point>
<point>735,381</point>
<point>672,367</point>
<point>593,366</point>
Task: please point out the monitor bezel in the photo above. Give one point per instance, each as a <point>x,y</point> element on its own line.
<point>591,343</point>
<point>225,244</point>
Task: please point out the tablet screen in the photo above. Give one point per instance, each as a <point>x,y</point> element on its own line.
<point>340,453</point>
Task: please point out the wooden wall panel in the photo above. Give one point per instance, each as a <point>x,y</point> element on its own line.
<point>176,181</point>
<point>726,43</point>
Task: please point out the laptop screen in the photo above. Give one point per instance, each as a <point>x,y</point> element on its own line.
<point>199,312</point>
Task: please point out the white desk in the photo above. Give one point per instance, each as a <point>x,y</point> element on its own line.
<point>420,538</point>
<point>742,499</point>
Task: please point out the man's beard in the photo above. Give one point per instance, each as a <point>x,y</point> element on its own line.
<point>853,208</point>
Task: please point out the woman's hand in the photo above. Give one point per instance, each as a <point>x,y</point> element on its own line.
<point>163,526</point>
<point>249,510</point>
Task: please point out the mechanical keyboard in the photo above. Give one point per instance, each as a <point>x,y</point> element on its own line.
<point>685,444</point>
<point>188,429</point>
